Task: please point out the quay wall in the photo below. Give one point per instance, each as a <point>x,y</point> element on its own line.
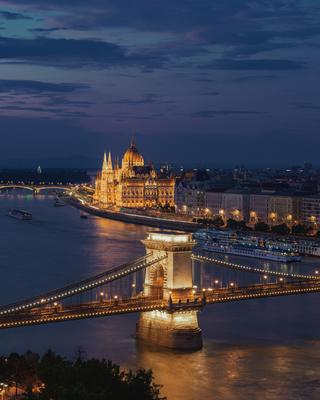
<point>136,219</point>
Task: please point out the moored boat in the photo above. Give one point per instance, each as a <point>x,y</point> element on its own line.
<point>255,252</point>
<point>240,244</point>
<point>58,202</point>
<point>20,214</point>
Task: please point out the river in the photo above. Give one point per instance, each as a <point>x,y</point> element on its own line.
<point>258,349</point>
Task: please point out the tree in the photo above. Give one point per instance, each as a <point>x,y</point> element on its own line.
<point>217,221</point>
<point>261,227</point>
<point>281,229</point>
<point>233,224</point>
<point>58,378</point>
<point>300,229</point>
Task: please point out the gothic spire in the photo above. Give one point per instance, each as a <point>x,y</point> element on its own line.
<point>104,165</point>
<point>109,166</point>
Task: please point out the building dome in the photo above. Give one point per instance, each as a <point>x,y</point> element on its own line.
<point>132,157</point>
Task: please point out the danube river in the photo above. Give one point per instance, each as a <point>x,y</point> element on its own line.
<point>258,349</point>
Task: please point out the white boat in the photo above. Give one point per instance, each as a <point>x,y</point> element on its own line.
<point>254,252</point>
<point>20,214</point>
<point>286,244</point>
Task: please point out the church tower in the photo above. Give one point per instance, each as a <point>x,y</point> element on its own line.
<point>103,181</point>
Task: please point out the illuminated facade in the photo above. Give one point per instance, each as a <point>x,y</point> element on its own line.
<point>133,184</point>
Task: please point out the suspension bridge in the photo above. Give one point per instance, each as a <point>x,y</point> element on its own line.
<point>168,302</point>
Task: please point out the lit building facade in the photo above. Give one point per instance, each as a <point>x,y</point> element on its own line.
<point>259,208</point>
<point>310,211</point>
<point>272,209</point>
<point>235,205</point>
<point>283,209</point>
<point>133,184</point>
<point>214,202</point>
<point>190,199</point>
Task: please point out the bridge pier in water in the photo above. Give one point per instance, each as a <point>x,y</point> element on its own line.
<point>170,280</point>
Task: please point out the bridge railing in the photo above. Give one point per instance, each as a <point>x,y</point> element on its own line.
<point>261,290</point>
<point>82,286</point>
<point>43,315</point>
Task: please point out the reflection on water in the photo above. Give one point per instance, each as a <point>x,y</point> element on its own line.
<point>267,348</point>
<point>224,371</point>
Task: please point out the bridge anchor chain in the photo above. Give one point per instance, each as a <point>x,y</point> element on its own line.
<point>177,326</point>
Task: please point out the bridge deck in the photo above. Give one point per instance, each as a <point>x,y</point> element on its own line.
<point>49,314</point>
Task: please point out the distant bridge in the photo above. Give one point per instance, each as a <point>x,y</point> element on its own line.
<point>33,188</point>
<point>169,302</point>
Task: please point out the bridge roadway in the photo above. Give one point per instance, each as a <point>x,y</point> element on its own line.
<point>126,269</point>
<point>50,314</point>
<point>82,286</point>
<point>33,188</point>
<point>244,268</point>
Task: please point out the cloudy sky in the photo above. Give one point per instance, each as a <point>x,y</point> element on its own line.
<point>200,82</point>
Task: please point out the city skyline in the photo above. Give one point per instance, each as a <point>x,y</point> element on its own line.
<point>159,199</point>
<point>202,84</point>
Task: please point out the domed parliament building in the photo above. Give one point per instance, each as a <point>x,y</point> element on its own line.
<point>133,184</point>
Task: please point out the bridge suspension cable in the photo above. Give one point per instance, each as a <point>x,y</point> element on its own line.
<point>82,286</point>
<point>245,268</point>
<point>262,290</point>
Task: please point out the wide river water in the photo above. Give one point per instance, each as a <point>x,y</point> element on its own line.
<point>256,349</point>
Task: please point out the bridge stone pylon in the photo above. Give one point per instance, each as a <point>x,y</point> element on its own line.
<point>170,280</point>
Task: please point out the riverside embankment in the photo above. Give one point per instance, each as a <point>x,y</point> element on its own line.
<point>156,222</point>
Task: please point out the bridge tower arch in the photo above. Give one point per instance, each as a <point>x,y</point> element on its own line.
<point>171,280</point>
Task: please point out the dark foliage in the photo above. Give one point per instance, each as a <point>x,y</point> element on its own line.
<point>261,227</point>
<point>233,224</point>
<point>281,229</point>
<point>53,377</point>
<point>300,229</point>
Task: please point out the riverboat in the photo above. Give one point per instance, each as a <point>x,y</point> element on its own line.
<point>20,214</point>
<point>251,251</point>
<point>58,202</point>
<point>230,242</point>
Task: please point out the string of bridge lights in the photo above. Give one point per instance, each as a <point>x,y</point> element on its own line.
<point>109,276</point>
<point>264,271</point>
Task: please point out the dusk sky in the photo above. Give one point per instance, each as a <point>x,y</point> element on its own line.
<point>202,82</point>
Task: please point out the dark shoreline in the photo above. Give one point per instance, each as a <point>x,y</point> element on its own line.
<point>136,219</point>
